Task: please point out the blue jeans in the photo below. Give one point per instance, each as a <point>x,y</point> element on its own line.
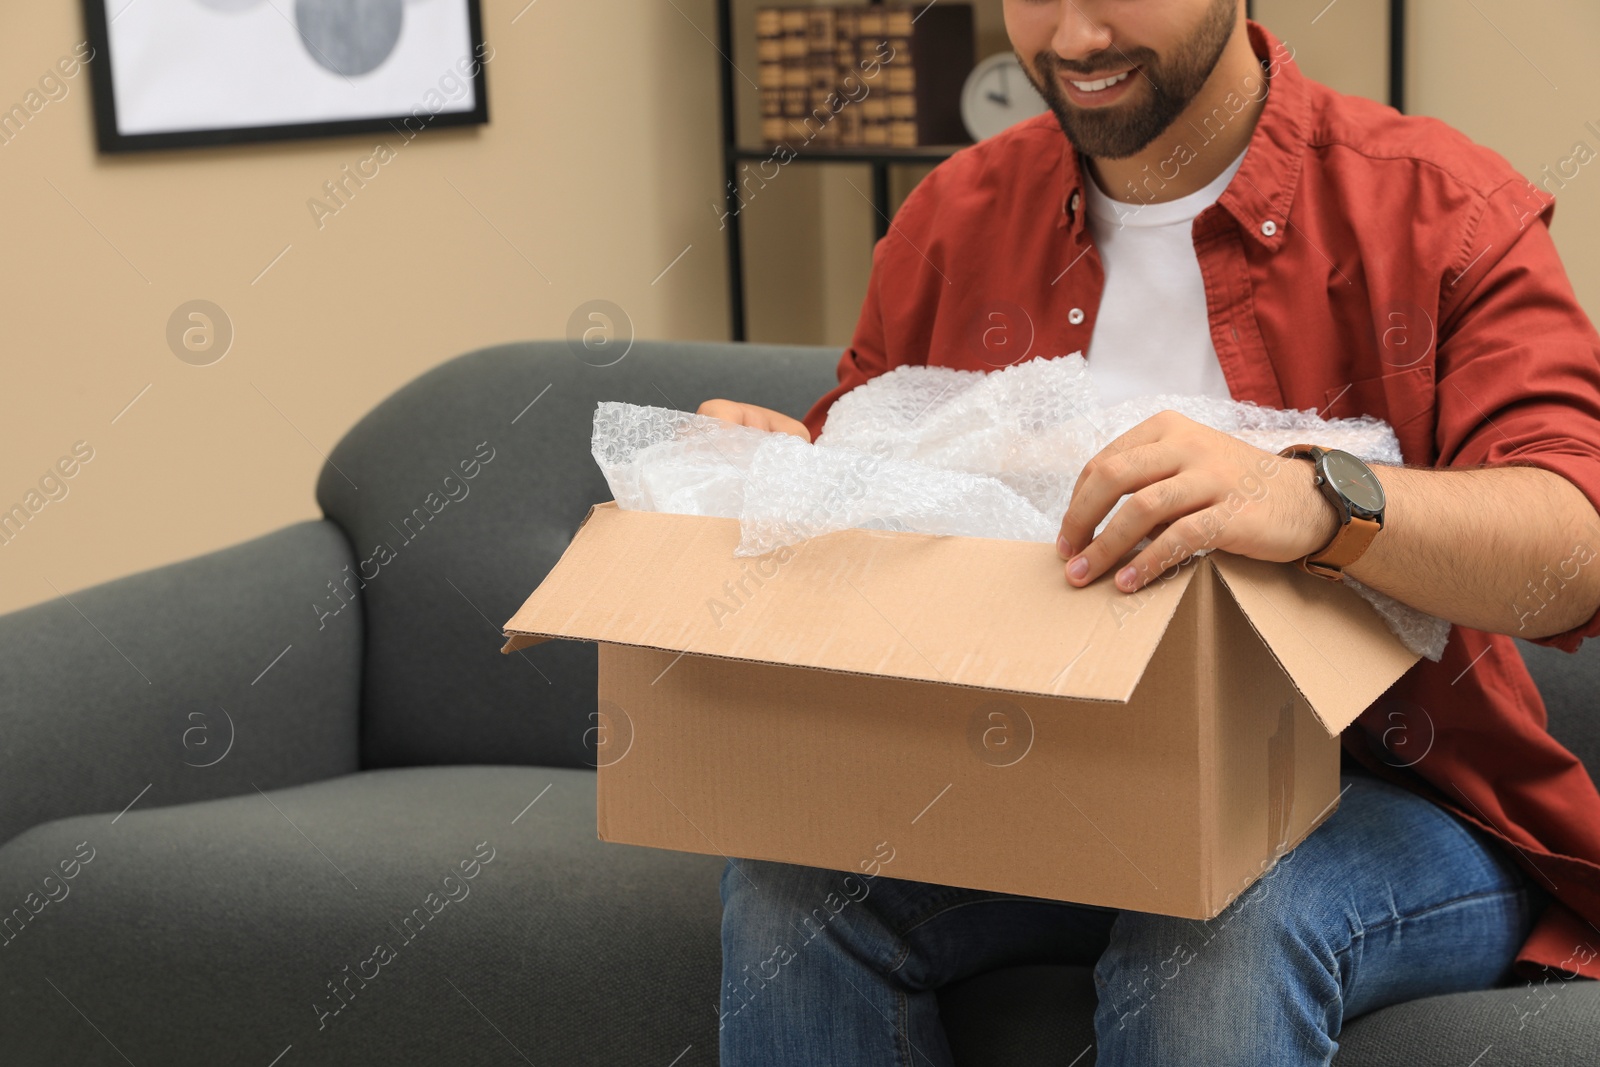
<point>1391,899</point>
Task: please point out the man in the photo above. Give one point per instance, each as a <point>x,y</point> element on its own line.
<point>1215,223</point>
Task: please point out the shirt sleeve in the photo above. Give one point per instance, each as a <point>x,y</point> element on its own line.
<point>1518,366</point>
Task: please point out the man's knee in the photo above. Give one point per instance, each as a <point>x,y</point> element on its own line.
<point>1277,942</point>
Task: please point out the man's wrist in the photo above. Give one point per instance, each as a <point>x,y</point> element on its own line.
<point>1322,518</point>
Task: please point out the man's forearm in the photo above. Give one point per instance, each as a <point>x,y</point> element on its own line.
<point>1505,549</point>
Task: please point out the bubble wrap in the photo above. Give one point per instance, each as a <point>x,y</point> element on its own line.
<point>941,451</point>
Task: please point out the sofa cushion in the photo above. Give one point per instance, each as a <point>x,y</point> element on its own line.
<point>210,932</point>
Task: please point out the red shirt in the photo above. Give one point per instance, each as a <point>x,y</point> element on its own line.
<point>1360,261</point>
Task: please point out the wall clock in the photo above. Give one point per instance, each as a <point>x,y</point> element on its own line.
<point>997,96</point>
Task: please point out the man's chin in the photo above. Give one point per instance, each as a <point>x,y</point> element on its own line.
<point>1089,143</point>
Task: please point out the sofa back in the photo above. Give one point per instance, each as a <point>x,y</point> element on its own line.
<point>460,491</point>
<point>1569,682</point>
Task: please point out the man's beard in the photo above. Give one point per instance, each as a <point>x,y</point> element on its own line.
<point>1123,129</point>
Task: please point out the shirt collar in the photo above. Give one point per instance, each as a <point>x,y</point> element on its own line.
<point>1263,188</point>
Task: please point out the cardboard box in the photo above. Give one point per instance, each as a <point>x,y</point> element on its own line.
<point>953,704</point>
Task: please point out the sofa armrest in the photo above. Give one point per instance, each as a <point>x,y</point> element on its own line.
<point>205,678</point>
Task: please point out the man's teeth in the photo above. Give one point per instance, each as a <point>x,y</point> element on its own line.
<point>1090,87</point>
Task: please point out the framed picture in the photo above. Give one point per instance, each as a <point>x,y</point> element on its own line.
<point>177,73</point>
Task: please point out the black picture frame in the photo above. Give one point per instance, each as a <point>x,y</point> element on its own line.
<point>110,140</point>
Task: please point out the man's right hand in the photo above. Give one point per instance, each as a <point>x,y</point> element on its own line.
<point>758,417</point>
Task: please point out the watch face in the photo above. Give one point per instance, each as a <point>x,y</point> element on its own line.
<point>1351,477</point>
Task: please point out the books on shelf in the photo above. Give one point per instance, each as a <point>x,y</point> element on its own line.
<point>796,55</point>
<point>864,75</point>
<point>821,42</point>
<point>769,67</point>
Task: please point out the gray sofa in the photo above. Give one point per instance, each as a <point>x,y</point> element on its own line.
<point>255,775</point>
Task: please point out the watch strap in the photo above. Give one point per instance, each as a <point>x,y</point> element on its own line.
<point>1300,452</point>
<point>1346,547</point>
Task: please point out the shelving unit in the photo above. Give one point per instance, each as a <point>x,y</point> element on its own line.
<point>881,159</point>
<point>733,154</point>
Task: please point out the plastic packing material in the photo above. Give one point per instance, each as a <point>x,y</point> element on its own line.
<point>943,451</point>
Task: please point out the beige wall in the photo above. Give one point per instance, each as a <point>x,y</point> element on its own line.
<point>600,165</point>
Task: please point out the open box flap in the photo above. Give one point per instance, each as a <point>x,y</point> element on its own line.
<point>1339,652</point>
<point>979,612</point>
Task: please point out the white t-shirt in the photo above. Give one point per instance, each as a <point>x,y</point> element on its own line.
<point>1153,333</point>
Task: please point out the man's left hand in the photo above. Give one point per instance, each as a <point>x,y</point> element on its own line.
<point>1189,487</point>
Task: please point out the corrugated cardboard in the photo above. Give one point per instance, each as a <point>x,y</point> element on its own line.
<point>954,698</point>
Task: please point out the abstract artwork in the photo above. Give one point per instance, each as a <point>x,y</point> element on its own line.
<point>175,73</point>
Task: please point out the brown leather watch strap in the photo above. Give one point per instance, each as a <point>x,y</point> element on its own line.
<point>1345,548</point>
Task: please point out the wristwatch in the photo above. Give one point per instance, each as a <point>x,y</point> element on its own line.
<point>1356,494</point>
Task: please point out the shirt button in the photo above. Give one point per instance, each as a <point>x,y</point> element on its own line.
<point>1269,227</point>
<point>1074,201</point>
<point>1075,316</point>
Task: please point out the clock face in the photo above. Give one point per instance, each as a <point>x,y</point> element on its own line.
<point>1351,477</point>
<point>997,96</point>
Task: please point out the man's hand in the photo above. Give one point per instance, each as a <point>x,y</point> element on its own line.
<point>751,415</point>
<point>1192,487</point>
